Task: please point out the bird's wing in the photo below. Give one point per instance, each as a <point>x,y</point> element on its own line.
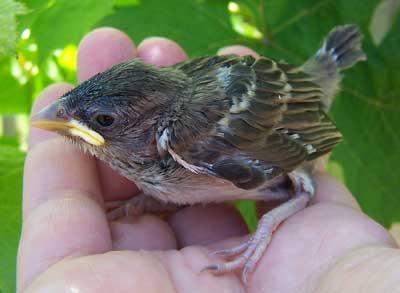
<point>264,119</point>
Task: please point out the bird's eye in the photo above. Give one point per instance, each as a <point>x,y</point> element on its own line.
<point>105,120</point>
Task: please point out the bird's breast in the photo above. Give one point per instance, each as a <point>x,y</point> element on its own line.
<point>191,188</point>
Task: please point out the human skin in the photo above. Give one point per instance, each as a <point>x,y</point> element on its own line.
<point>67,245</point>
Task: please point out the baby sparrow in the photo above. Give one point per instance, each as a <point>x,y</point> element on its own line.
<point>212,129</point>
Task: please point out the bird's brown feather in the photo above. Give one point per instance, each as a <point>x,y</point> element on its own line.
<point>267,119</point>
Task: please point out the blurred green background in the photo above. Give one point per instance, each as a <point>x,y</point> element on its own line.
<point>38,45</point>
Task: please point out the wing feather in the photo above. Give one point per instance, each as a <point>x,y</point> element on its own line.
<point>266,120</point>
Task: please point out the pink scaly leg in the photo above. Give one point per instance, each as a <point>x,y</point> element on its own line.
<point>251,251</point>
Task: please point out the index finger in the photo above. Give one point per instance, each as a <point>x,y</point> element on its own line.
<point>62,214</point>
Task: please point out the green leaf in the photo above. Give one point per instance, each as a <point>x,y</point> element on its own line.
<point>14,97</point>
<point>243,21</point>
<point>11,164</point>
<point>368,113</point>
<point>9,9</point>
<point>200,27</point>
<point>66,22</point>
<point>247,209</point>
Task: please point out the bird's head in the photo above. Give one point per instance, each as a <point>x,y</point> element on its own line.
<point>114,114</point>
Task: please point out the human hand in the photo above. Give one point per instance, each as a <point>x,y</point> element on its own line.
<point>67,245</point>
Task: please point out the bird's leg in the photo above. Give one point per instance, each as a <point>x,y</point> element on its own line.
<point>247,254</point>
<point>136,206</point>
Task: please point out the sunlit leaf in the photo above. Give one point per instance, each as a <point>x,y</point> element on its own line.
<point>243,22</point>
<point>67,57</point>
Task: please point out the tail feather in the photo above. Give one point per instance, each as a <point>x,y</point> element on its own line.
<point>340,50</point>
<point>343,46</point>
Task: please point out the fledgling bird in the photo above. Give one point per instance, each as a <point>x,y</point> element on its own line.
<point>212,129</point>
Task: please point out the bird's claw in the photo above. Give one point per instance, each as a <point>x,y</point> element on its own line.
<point>243,261</point>
<point>228,252</point>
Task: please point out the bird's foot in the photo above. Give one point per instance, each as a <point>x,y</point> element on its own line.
<point>136,206</point>
<point>245,256</point>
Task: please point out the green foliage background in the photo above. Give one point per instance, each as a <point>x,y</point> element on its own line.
<point>367,111</point>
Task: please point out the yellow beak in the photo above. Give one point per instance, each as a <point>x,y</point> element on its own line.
<point>50,119</point>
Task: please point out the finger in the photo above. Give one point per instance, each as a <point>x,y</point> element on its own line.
<point>146,232</point>
<point>366,269</point>
<point>307,244</point>
<point>53,165</point>
<point>102,48</point>
<point>201,225</point>
<point>330,191</point>
<point>126,271</point>
<point>134,271</point>
<point>61,210</point>
<point>68,226</point>
<point>98,51</point>
<point>113,185</point>
<point>67,169</point>
<point>160,51</point>
<point>237,50</point>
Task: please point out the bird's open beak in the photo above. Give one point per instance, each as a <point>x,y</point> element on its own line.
<point>52,119</point>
